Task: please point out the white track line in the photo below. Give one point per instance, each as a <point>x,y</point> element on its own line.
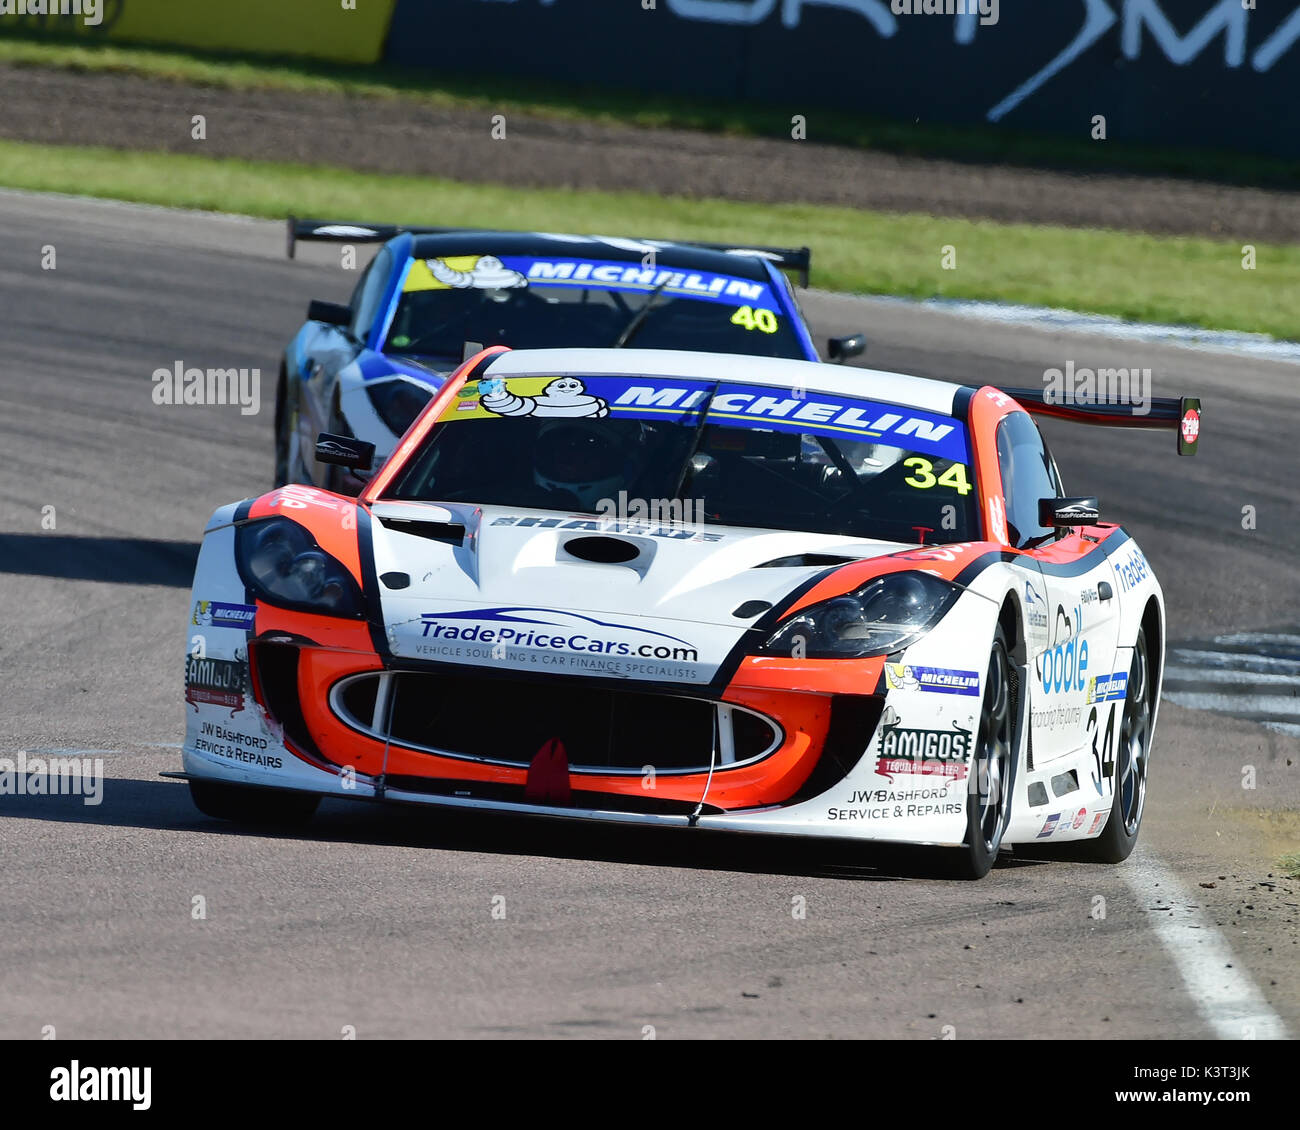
<point>1261,346</point>
<point>1260,637</point>
<point>1176,674</point>
<point>1276,706</point>
<point>1237,660</point>
<point>1225,996</point>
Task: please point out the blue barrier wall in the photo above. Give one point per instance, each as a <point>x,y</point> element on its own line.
<point>1183,72</point>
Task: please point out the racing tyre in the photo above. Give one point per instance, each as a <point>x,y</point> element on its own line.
<point>268,807</point>
<point>1132,759</point>
<point>988,790</point>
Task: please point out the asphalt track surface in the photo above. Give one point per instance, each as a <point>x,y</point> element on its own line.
<point>382,918</point>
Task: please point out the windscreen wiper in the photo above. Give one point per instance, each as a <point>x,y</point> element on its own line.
<point>638,320</point>
<point>695,441</point>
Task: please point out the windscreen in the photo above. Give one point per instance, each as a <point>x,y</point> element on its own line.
<point>726,454</point>
<point>529,303</point>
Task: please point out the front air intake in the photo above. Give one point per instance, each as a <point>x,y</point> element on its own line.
<point>506,721</point>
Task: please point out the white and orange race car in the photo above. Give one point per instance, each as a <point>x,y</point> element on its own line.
<point>735,593</point>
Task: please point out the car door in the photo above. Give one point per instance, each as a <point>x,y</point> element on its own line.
<point>1082,627</point>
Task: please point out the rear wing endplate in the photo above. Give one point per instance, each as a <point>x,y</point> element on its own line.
<point>1181,414</point>
<point>796,260</point>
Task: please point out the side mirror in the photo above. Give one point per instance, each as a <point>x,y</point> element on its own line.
<point>331,313</point>
<point>1068,512</point>
<point>344,451</point>
<point>840,349</point>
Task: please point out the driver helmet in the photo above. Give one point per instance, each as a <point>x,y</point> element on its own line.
<point>583,457</point>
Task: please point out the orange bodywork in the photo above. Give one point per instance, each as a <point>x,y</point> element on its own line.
<point>343,648</point>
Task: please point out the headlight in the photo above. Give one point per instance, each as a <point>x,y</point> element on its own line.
<point>282,564</point>
<point>885,615</point>
<point>398,403</point>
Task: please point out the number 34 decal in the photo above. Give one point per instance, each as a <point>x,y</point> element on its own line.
<point>1104,757</point>
<point>923,477</point>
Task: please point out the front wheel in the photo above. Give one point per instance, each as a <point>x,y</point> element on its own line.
<point>1116,843</point>
<point>988,789</point>
<point>245,805</point>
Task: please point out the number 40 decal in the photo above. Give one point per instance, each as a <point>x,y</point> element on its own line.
<point>752,319</point>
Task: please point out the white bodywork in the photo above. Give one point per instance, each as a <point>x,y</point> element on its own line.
<point>679,593</point>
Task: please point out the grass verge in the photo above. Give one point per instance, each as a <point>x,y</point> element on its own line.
<point>1189,281</point>
<point>501,94</point>
<point>1289,865</point>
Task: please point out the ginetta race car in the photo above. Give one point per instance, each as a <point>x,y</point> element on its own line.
<point>692,589</point>
<point>367,369</point>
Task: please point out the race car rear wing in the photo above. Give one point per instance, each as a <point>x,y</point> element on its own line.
<point>1181,414</point>
<point>797,260</point>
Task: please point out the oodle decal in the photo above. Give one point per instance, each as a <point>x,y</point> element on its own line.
<point>463,272</point>
<point>564,396</point>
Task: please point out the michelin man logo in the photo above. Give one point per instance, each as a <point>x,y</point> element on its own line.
<point>901,677</point>
<point>564,396</point>
<point>488,273</point>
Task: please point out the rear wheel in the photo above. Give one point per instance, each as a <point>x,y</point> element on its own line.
<point>989,787</point>
<point>244,805</point>
<point>1132,758</point>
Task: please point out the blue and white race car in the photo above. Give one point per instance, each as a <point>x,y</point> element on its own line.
<point>367,369</point>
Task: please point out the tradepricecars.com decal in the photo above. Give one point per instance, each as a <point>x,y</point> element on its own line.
<point>551,641</point>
